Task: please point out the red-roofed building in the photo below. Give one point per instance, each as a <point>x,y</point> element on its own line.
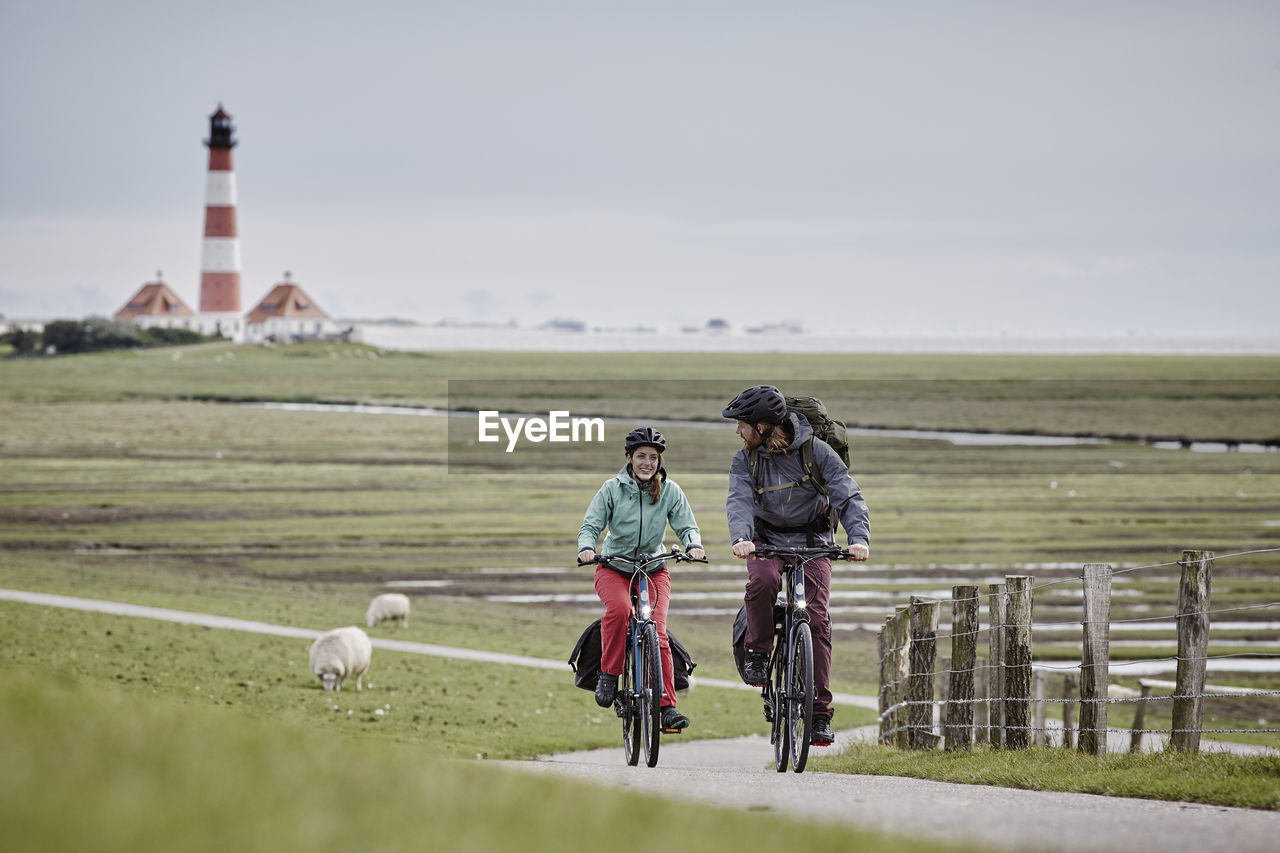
<point>156,305</point>
<point>288,313</point>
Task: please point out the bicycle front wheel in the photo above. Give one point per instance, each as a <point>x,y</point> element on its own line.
<point>778,696</point>
<point>650,693</point>
<point>800,695</point>
<point>626,704</point>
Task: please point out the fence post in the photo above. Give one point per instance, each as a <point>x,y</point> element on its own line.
<point>964,654</point>
<point>1095,659</point>
<point>901,672</point>
<point>1068,712</point>
<point>1139,720</point>
<point>924,631</point>
<point>1017,663</point>
<point>997,604</point>
<point>1039,734</point>
<point>884,645</point>
<point>1193,644</point>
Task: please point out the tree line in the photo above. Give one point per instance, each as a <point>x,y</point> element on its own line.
<point>94,335</point>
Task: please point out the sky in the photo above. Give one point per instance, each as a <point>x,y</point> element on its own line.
<point>914,168</point>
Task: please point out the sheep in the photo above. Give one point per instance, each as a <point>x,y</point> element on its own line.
<point>340,653</point>
<point>389,606</point>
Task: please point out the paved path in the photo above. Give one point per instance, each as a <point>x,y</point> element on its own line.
<point>739,773</point>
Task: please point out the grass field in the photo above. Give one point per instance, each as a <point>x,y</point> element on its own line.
<point>131,477</point>
<point>94,768</point>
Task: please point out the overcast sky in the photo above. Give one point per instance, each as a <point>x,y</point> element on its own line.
<point>943,168</point>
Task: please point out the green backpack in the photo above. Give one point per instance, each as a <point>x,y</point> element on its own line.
<point>830,430</point>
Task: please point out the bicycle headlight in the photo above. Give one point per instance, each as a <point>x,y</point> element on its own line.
<point>800,603</point>
<point>645,610</point>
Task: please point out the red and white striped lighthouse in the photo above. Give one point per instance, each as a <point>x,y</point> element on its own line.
<point>220,263</point>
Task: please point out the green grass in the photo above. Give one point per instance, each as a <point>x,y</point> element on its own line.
<point>447,707</point>
<point>92,768</point>
<point>1218,779</point>
<point>123,482</point>
<point>1237,397</point>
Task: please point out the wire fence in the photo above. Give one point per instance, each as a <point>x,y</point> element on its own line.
<point>1003,700</point>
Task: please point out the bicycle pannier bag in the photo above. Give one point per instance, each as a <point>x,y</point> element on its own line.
<point>681,662</point>
<point>740,641</point>
<point>585,659</point>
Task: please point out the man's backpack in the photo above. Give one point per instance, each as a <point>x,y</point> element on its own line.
<point>585,659</point>
<point>830,430</point>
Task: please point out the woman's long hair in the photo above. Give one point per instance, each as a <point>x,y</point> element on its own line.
<point>654,486</point>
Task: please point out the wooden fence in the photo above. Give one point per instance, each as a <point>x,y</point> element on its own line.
<point>1003,702</point>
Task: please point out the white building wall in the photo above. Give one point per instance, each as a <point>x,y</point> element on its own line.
<point>228,324</point>
<point>292,328</point>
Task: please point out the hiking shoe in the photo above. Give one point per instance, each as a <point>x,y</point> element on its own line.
<point>673,720</point>
<point>606,689</point>
<point>755,670</point>
<point>821,734</point>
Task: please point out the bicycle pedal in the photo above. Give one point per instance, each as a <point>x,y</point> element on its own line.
<point>672,731</point>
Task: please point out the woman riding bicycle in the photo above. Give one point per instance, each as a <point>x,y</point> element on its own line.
<point>635,507</point>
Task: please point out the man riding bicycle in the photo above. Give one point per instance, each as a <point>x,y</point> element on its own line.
<point>780,505</point>
<point>635,507</point>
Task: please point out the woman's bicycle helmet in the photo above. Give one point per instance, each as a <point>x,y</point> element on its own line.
<point>759,404</point>
<point>645,437</point>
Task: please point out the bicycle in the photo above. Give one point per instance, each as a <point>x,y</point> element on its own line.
<point>788,689</point>
<point>638,701</point>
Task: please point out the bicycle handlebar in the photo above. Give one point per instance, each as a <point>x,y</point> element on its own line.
<point>833,551</point>
<point>643,562</point>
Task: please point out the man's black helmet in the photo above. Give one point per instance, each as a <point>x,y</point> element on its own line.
<point>763,404</point>
<point>645,437</point>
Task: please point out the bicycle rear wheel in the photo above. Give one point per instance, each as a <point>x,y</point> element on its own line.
<point>800,695</point>
<point>626,704</point>
<point>650,693</point>
<point>778,681</point>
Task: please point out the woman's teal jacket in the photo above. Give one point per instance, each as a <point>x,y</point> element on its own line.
<point>636,526</point>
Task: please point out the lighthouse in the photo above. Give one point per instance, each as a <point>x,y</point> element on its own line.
<point>220,310</point>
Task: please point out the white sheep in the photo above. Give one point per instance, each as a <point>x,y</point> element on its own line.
<point>389,606</point>
<point>338,654</point>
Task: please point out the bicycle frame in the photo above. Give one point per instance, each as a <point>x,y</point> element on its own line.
<point>788,691</point>
<point>639,698</point>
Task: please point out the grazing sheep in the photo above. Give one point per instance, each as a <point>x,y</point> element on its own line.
<point>339,654</point>
<point>388,606</point>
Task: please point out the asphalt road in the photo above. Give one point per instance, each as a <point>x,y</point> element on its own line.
<point>739,773</point>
